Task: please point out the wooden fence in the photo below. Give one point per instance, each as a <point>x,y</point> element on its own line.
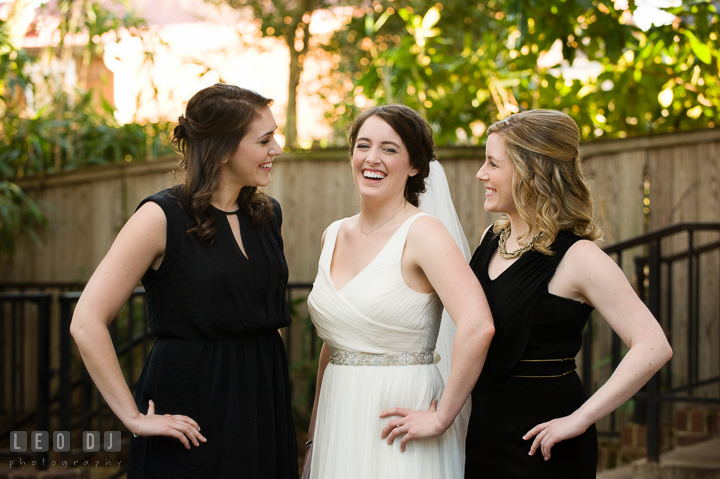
<point>639,184</point>
<point>87,208</point>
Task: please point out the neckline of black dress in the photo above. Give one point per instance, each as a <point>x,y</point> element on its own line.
<point>226,212</point>
<point>490,257</point>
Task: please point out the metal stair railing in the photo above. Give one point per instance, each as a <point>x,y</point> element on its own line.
<point>654,270</point>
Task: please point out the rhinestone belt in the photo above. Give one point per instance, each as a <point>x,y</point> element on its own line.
<point>350,358</point>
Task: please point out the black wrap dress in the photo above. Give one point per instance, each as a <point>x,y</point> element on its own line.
<point>529,376</point>
<point>219,358</point>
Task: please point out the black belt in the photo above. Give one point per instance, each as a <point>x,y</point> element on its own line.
<point>542,368</point>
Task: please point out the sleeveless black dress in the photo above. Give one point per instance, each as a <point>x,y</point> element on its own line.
<point>529,376</point>
<point>219,358</point>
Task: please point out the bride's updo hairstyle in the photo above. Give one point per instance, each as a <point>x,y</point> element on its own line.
<point>415,134</point>
<point>215,120</point>
<point>543,147</point>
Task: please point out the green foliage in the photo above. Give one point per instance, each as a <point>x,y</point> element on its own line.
<point>79,136</point>
<point>94,18</point>
<point>290,22</point>
<point>70,131</point>
<point>82,135</point>
<point>18,215</point>
<point>468,65</point>
<point>12,64</point>
<point>276,18</point>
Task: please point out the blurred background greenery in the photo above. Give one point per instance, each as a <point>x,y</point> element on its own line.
<point>619,68</point>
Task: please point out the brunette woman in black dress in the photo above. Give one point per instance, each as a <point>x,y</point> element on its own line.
<point>543,274</point>
<point>210,255</point>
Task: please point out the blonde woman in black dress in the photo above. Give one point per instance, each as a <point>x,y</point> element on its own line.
<point>543,274</point>
<point>213,399</point>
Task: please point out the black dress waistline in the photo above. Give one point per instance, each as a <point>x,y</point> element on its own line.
<point>541,368</point>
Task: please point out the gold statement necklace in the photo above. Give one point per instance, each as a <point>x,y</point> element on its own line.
<point>505,234</point>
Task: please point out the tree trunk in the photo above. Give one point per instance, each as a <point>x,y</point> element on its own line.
<point>63,93</point>
<point>293,82</point>
<point>297,59</point>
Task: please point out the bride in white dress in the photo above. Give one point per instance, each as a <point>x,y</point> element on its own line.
<point>377,302</point>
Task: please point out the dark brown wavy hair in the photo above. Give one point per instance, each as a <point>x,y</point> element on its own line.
<point>543,147</point>
<point>415,133</point>
<point>215,120</point>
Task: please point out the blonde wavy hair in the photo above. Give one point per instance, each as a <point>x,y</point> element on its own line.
<point>543,147</point>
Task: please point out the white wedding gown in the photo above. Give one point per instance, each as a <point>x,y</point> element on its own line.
<point>377,313</point>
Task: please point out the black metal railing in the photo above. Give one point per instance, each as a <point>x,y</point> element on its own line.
<point>67,400</point>
<point>25,366</point>
<point>53,287</point>
<point>656,273</point>
<point>129,332</point>
<point>72,402</point>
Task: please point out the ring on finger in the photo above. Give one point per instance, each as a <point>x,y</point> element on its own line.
<point>399,425</point>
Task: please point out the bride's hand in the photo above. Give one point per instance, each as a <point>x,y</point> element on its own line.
<point>413,424</point>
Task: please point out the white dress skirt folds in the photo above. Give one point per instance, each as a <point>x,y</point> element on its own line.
<point>382,336</point>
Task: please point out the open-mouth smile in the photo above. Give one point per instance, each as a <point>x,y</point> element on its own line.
<point>373,175</point>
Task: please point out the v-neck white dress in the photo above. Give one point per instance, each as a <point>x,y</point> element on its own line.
<point>377,313</point>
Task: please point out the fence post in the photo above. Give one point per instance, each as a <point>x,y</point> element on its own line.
<point>653,409</point>
<point>691,344</point>
<point>42,419</point>
<point>13,365</point>
<point>640,405</point>
<point>65,373</point>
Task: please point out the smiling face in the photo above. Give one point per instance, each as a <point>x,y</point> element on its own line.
<point>251,163</point>
<point>497,174</point>
<point>380,161</point>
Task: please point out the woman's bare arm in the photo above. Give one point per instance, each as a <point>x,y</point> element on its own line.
<point>596,278</point>
<point>431,247</point>
<point>140,244</point>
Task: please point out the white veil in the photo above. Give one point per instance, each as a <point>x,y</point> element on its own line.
<point>437,201</point>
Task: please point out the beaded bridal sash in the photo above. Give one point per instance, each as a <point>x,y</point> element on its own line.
<point>351,358</point>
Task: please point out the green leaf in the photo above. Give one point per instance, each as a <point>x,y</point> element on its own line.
<point>404,14</point>
<point>430,19</point>
<point>381,21</point>
<point>369,22</point>
<point>701,50</point>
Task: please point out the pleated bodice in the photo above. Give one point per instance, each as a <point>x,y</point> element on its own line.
<point>376,311</point>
